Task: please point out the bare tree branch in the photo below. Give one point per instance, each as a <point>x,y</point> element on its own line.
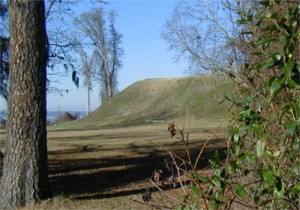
<point>199,31</point>
<point>107,50</point>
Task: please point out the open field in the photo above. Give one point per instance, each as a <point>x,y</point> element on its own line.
<point>107,168</point>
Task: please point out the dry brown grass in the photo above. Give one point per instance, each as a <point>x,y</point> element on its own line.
<point>108,168</point>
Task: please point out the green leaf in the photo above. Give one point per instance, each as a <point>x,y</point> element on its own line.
<point>293,84</point>
<point>295,189</point>
<point>217,171</point>
<point>267,154</point>
<point>265,41</point>
<point>298,67</point>
<point>216,156</point>
<point>245,127</point>
<point>271,28</point>
<point>276,153</point>
<point>217,182</point>
<point>277,172</point>
<point>237,149</point>
<point>260,147</point>
<point>296,145</point>
<point>203,179</point>
<point>256,129</point>
<point>266,86</point>
<point>240,159</point>
<point>239,190</point>
<point>291,127</point>
<point>183,207</point>
<point>232,167</point>
<point>236,138</point>
<point>195,191</point>
<point>287,70</point>
<point>242,21</point>
<point>276,86</point>
<point>250,157</point>
<point>296,168</point>
<point>267,65</point>
<point>268,178</point>
<point>296,109</point>
<point>250,17</point>
<point>267,15</point>
<point>213,201</point>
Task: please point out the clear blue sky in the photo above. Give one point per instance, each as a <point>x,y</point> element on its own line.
<point>146,53</point>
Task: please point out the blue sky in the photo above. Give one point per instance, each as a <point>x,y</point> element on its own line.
<point>146,53</point>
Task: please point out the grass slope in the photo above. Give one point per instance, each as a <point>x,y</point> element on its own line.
<point>157,100</point>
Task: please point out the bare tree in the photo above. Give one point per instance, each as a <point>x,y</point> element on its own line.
<point>206,34</point>
<point>61,46</point>
<point>115,51</point>
<point>58,15</point>
<point>87,72</point>
<point>25,170</point>
<point>107,49</point>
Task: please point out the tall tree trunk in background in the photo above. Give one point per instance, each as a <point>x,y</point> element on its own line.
<point>86,70</point>
<point>106,89</point>
<point>25,172</point>
<point>88,108</point>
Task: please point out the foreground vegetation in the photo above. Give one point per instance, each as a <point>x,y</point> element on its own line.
<point>262,166</point>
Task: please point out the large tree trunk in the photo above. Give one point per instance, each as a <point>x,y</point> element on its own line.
<point>25,172</point>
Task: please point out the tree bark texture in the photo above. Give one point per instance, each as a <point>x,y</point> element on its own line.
<point>25,172</point>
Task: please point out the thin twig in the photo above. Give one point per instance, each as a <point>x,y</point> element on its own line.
<point>179,176</point>
<point>204,146</point>
<point>49,9</point>
<point>170,196</point>
<point>179,158</point>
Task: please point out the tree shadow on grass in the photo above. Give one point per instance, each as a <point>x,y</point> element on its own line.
<point>98,177</point>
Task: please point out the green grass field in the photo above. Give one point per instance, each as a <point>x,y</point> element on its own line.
<point>104,160</point>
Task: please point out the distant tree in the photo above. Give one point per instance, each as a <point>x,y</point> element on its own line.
<point>115,51</point>
<point>58,15</point>
<point>61,46</point>
<point>87,72</point>
<point>25,170</point>
<point>107,48</point>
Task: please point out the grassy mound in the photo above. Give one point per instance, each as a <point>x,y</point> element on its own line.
<point>160,100</point>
